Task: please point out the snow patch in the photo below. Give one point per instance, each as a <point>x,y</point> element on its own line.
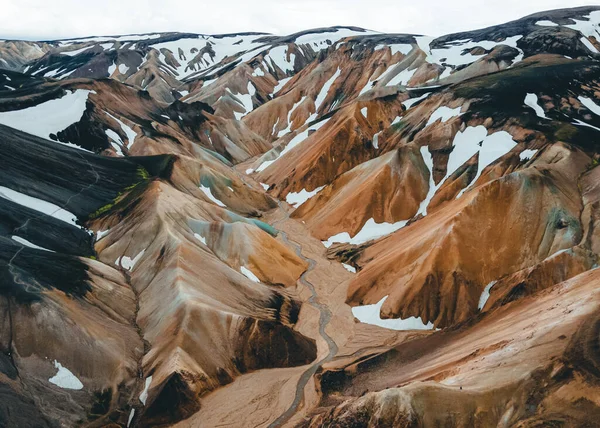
<point>546,23</point>
<point>280,85</point>
<point>376,141</point>
<point>589,45</point>
<point>401,78</point>
<point>412,101</point>
<point>248,274</point>
<point>38,205</point>
<point>127,263</point>
<point>130,133</point>
<point>591,105</point>
<point>49,117</point>
<point>101,233</point>
<point>396,47</point>
<point>493,147</point>
<point>289,119</point>
<point>531,100</point>
<point>371,314</point>
<point>131,414</point>
<point>26,243</point>
<point>298,198</point>
<point>485,295</point>
<point>299,138</point>
<point>444,113</point>
<point>200,238</point>
<point>144,394</point>
<point>245,100</point>
<point>581,123</point>
<point>527,154</point>
<point>371,230</point>
<point>349,268</point>
<point>210,196</point>
<point>452,52</point>
<point>325,90</point>
<point>64,378</point>
<point>589,28</point>
<point>466,144</point>
<point>75,52</point>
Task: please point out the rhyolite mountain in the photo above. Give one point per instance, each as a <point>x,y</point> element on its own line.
<point>338,228</point>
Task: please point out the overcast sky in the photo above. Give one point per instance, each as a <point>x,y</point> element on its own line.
<point>53,19</point>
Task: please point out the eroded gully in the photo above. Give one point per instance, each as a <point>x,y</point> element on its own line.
<point>325,317</point>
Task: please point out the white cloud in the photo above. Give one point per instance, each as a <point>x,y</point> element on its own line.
<point>40,19</point>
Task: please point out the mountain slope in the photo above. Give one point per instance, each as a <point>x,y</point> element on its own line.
<point>337,227</point>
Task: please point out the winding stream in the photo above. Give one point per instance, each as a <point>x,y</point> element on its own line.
<point>324,319</point>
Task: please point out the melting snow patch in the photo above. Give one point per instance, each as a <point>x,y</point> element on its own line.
<point>101,233</point>
<point>401,78</point>
<point>589,45</point>
<point>589,28</point>
<point>466,144</point>
<point>493,147</point>
<point>452,53</point>
<point>546,23</point>
<point>591,105</point>
<point>123,68</point>
<point>265,186</point>
<point>144,394</point>
<point>131,414</point>
<point>395,48</point>
<point>116,142</point>
<point>376,141</point>
<point>485,295</point>
<point>527,154</point>
<point>249,171</point>
<point>531,100</point>
<point>364,111</point>
<point>289,119</point>
<point>49,117</point>
<point>299,138</point>
<point>325,90</point>
<point>444,113</point>
<point>26,243</point>
<point>248,274</point>
<point>210,196</point>
<point>264,165</point>
<point>349,268</point>
<point>581,123</point>
<point>75,52</point>
<point>64,378</point>
<point>298,198</point>
<point>369,231</point>
<point>200,238</point>
<point>280,85</point>
<point>371,314</point>
<point>127,263</point>
<point>38,205</point>
<point>411,101</point>
<point>428,159</point>
<point>245,100</point>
